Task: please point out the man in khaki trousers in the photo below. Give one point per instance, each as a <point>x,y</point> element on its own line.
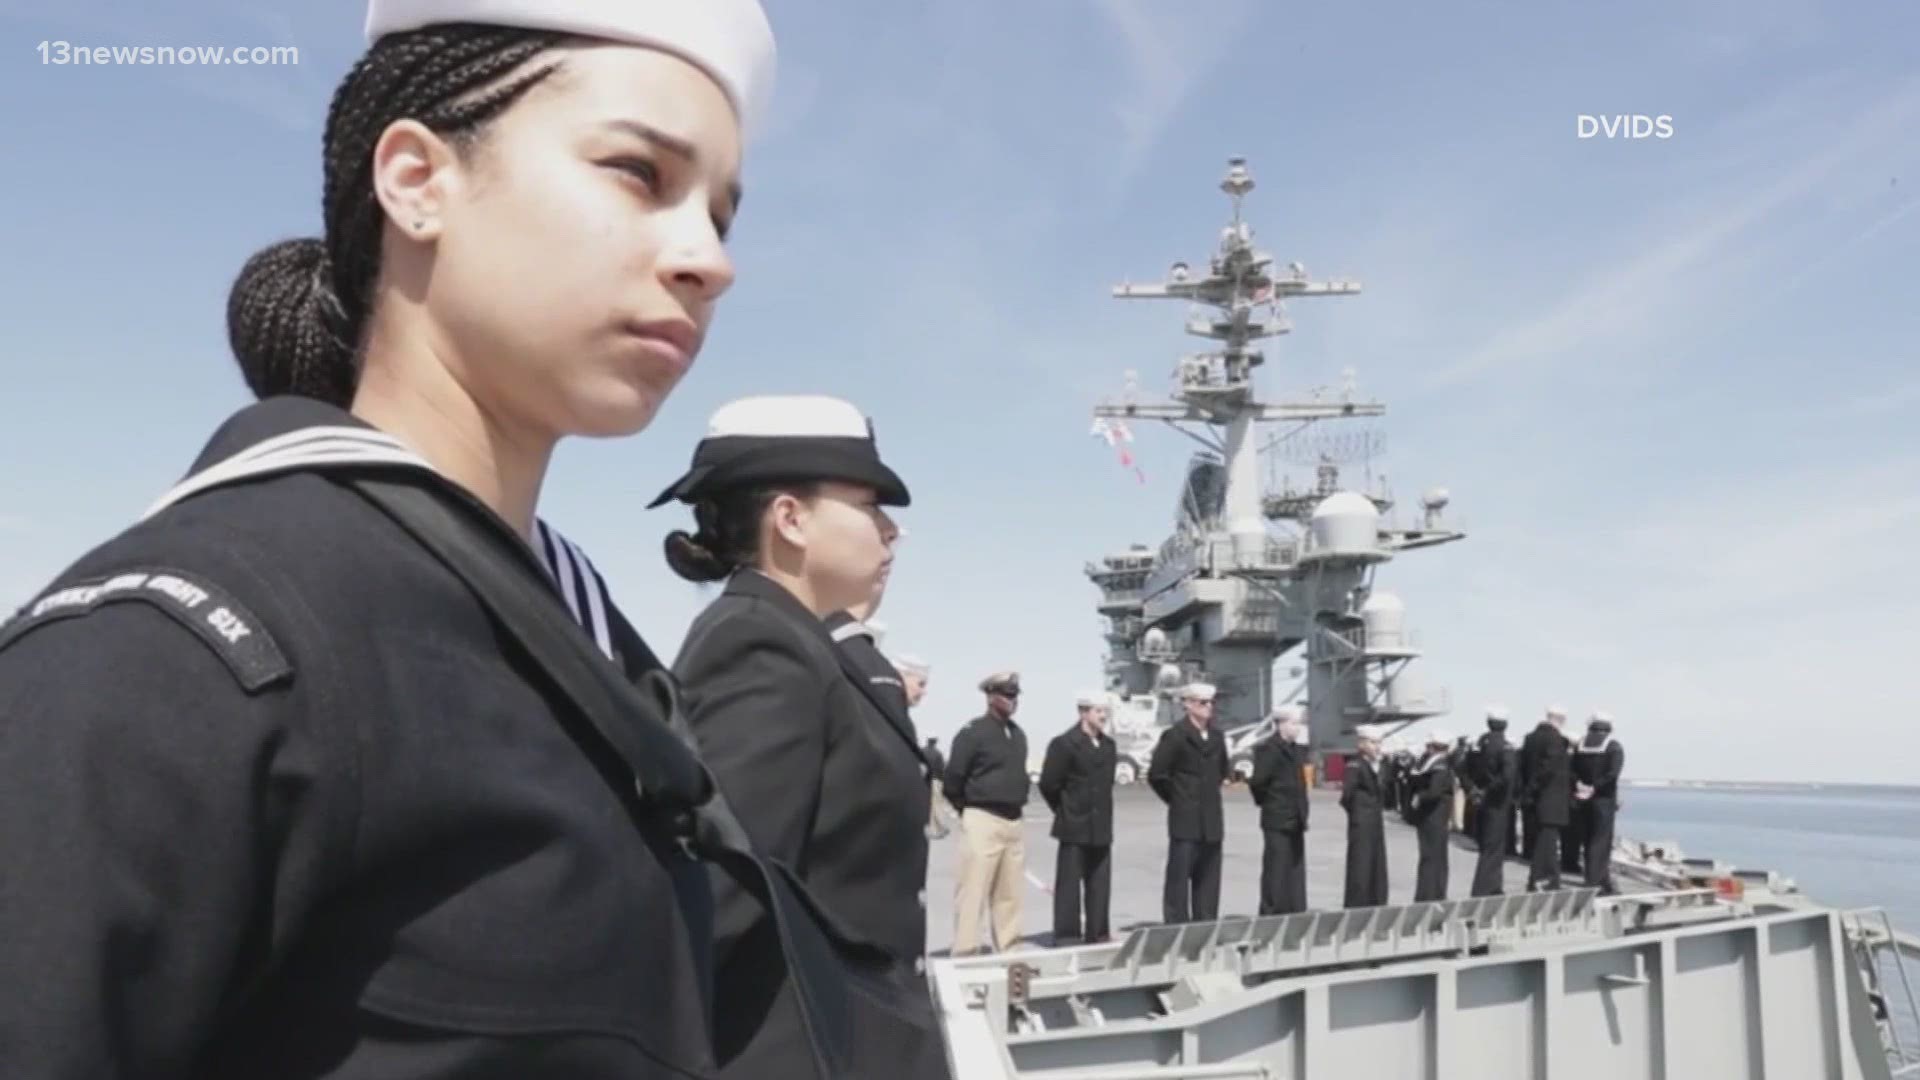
<point>987,783</point>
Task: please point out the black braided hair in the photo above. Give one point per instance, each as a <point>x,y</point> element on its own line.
<point>298,311</point>
<point>726,533</point>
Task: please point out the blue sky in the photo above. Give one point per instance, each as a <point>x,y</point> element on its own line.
<point>1668,382</point>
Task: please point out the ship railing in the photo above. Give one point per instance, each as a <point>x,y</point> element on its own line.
<point>1881,953</point>
<point>1260,947</point>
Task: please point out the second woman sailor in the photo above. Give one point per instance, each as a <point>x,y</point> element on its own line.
<point>788,496</point>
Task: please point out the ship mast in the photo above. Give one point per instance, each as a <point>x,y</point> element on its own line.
<point>1223,598</point>
<point>1216,388</point>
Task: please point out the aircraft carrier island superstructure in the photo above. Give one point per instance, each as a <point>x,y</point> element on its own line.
<point>1255,570</point>
<point>1696,971</point>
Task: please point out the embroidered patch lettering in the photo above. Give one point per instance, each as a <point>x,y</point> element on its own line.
<point>222,622</point>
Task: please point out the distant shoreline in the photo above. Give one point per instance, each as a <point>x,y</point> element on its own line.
<point>1767,785</point>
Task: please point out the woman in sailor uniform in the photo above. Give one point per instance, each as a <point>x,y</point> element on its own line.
<point>789,497</point>
<point>279,797</point>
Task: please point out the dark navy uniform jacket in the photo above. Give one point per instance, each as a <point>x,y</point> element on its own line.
<point>1546,775</point>
<point>1278,786</point>
<point>1076,780</point>
<point>277,801</point>
<point>1186,771</point>
<point>988,768</point>
<point>824,778</point>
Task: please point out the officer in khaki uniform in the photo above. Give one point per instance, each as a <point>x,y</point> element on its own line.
<point>987,783</point>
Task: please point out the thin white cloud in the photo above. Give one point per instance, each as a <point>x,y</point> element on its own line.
<point>1631,296</point>
<point>1874,229</point>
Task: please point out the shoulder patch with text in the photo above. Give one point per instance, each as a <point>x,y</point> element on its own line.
<point>210,612</point>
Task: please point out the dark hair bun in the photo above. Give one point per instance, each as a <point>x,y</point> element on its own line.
<point>692,559</point>
<point>281,320</point>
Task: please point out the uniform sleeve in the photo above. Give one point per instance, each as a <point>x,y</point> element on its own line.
<point>1266,762</point>
<point>1616,763</point>
<point>954,785</point>
<point>1160,769</point>
<point>1053,774</point>
<point>757,707</point>
<point>155,817</point>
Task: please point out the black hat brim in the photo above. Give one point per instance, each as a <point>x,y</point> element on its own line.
<point>746,461</point>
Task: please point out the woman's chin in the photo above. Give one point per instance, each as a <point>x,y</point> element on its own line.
<point>614,411</point>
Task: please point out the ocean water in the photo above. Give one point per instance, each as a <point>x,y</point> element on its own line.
<point>1849,847</point>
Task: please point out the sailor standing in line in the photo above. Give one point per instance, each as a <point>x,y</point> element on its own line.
<point>1529,819</point>
<point>1388,770</point>
<point>1278,787</point>
<point>1460,808</point>
<point>1433,802</point>
<point>1495,773</point>
<point>914,673</point>
<point>1546,784</point>
<point>1573,839</point>
<point>987,783</point>
<point>1360,797</point>
<point>1597,763</point>
<point>277,796</point>
<point>812,747</point>
<point>1188,769</point>
<point>1076,780</point>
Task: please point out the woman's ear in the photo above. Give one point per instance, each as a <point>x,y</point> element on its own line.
<point>412,170</point>
<point>787,515</point>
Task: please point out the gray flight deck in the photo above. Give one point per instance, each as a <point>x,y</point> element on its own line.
<point>1140,852</point>
<point>1697,971</point>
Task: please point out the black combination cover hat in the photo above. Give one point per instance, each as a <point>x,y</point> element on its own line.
<point>786,438</point>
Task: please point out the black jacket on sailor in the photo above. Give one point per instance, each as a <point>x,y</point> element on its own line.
<point>871,666</point>
<point>1076,780</point>
<point>1546,775</point>
<point>1495,770</point>
<point>277,800</point>
<point>1278,786</point>
<point>1598,764</point>
<point>988,768</point>
<point>1186,771</point>
<point>1433,784</point>
<point>822,776</point>
<point>1361,795</point>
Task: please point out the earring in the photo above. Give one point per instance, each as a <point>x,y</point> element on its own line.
<point>418,224</point>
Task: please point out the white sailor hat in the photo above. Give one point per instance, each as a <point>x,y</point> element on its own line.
<point>1283,713</point>
<point>786,437</point>
<point>1439,737</point>
<point>1368,732</point>
<point>1557,710</point>
<point>1496,712</point>
<point>1602,720</point>
<point>1091,699</point>
<point>912,663</point>
<point>728,39</point>
<point>1198,691</point>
